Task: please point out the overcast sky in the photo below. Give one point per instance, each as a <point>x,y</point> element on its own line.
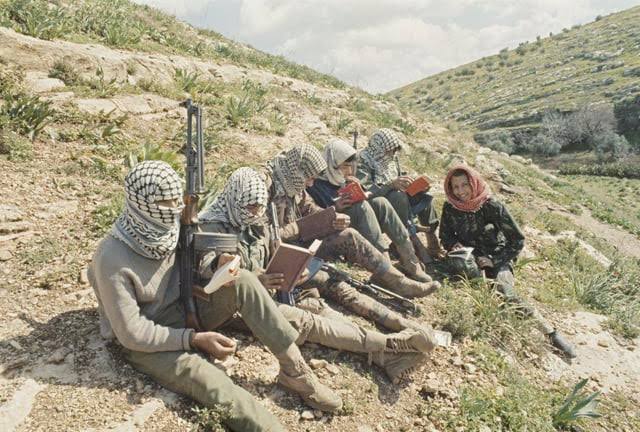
<point>380,45</point>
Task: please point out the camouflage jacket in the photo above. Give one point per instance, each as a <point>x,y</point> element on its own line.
<point>491,231</point>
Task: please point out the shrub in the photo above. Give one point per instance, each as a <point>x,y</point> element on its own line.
<point>37,18</point>
<point>154,152</point>
<point>27,114</point>
<point>65,72</point>
<point>576,406</point>
<point>501,142</point>
<point>620,169</point>
<point>15,146</point>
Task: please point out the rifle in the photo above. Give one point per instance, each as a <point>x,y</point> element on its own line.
<point>274,241</point>
<point>194,174</point>
<point>355,139</point>
<point>383,295</point>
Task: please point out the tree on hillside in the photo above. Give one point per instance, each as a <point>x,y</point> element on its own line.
<point>627,113</point>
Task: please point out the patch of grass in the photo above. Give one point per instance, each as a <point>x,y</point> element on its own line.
<point>105,214</point>
<point>37,18</point>
<point>251,100</point>
<point>341,123</point>
<point>40,253</point>
<point>278,122</point>
<point>65,72</point>
<point>15,146</point>
<point>553,223</point>
<point>185,80</point>
<point>578,405</point>
<point>103,87</point>
<point>210,419</point>
<point>154,152</point>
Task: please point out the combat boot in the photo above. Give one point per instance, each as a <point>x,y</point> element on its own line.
<point>297,376</point>
<point>434,248</point>
<point>395,281</point>
<point>410,264</point>
<point>398,366</point>
<point>421,251</point>
<point>409,340</point>
<point>558,341</point>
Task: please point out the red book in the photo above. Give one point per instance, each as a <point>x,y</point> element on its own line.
<point>353,191</point>
<point>421,184</point>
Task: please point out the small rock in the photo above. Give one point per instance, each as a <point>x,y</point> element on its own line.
<point>9,213</point>
<point>318,364</point>
<point>5,255</point>
<point>58,355</point>
<point>603,343</point>
<point>83,277</point>
<point>364,428</point>
<point>307,415</point>
<point>317,414</point>
<point>457,361</point>
<point>139,386</point>
<point>15,345</point>
<point>332,369</point>
<point>470,368</point>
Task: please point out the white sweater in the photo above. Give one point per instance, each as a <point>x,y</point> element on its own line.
<point>132,291</point>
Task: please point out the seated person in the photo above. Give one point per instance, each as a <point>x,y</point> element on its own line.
<point>286,177</point>
<point>239,209</point>
<point>136,281</point>
<point>472,218</point>
<point>370,218</point>
<point>379,172</point>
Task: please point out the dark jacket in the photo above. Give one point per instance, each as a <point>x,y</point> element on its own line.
<point>323,192</point>
<point>491,231</point>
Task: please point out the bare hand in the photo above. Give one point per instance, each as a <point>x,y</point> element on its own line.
<point>343,202</point>
<point>272,281</point>
<point>484,262</point>
<point>352,179</point>
<point>303,277</point>
<point>401,183</point>
<point>224,258</point>
<point>342,222</point>
<point>215,344</point>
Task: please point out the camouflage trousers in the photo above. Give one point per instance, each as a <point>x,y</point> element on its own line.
<point>375,217</point>
<point>355,249</point>
<point>504,282</point>
<point>361,304</point>
<point>422,207</point>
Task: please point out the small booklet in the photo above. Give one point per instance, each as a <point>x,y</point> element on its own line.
<point>421,184</point>
<point>291,261</point>
<point>317,225</point>
<point>225,274</point>
<point>353,191</point>
<point>442,338</point>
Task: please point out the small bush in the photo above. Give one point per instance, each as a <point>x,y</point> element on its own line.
<point>65,72</point>
<point>27,114</point>
<point>620,169</point>
<point>154,152</point>
<point>104,88</point>
<point>576,406</point>
<point>15,146</point>
<point>37,18</point>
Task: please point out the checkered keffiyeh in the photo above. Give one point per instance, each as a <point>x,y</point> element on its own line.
<point>376,155</point>
<point>245,187</point>
<point>148,228</point>
<point>291,168</point>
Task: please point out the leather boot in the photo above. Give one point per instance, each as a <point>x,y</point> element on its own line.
<point>395,281</point>
<point>421,251</point>
<point>398,366</point>
<point>410,263</point>
<point>434,248</point>
<point>409,340</point>
<point>558,341</point>
<point>297,376</point>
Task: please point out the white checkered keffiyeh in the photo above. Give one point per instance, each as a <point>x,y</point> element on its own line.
<point>291,168</point>
<point>377,155</point>
<point>245,187</point>
<point>149,229</point>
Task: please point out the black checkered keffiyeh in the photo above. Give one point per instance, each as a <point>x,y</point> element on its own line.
<point>377,156</point>
<point>148,228</point>
<point>291,168</point>
<point>245,187</point>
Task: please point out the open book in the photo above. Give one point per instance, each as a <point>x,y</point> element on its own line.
<point>291,261</point>
<point>317,225</point>
<point>225,274</point>
<point>421,184</point>
<point>354,192</point>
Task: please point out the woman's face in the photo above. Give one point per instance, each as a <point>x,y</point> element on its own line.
<point>461,187</point>
<point>346,169</point>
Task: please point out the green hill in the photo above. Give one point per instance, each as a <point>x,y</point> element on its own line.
<point>596,62</point>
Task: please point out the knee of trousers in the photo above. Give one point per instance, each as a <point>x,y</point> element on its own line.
<point>301,320</point>
<point>398,198</point>
<point>248,282</point>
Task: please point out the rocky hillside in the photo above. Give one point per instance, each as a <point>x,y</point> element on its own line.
<point>81,95</point>
<point>596,62</point>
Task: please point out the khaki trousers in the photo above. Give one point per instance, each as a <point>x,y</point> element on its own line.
<point>191,374</point>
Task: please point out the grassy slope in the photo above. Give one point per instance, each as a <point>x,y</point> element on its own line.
<point>78,157</point>
<point>582,65</point>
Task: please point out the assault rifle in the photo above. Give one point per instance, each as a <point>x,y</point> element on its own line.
<point>381,294</point>
<point>194,174</point>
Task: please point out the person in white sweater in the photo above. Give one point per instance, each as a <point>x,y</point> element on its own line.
<point>137,286</point>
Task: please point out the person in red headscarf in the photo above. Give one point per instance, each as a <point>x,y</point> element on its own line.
<point>472,218</point>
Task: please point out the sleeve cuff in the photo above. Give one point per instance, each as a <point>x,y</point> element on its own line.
<point>186,338</point>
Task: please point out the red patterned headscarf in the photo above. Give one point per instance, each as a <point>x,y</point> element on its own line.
<point>480,192</point>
